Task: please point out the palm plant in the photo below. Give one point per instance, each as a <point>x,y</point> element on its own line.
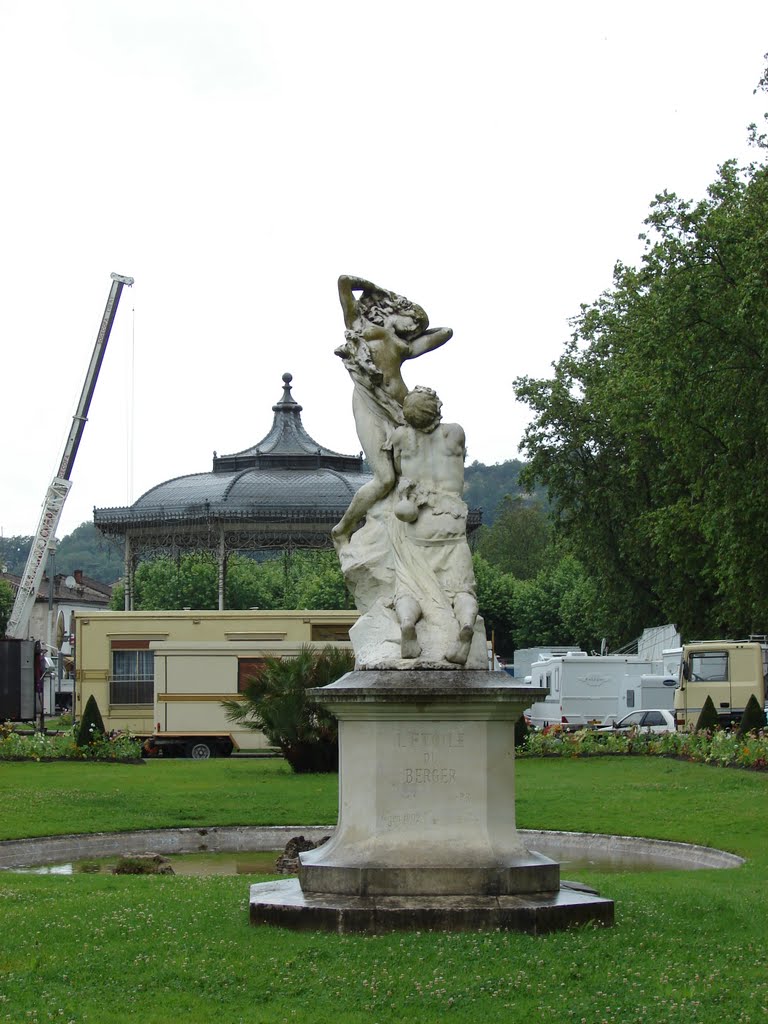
<point>276,703</point>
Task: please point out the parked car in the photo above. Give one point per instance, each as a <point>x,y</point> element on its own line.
<point>652,720</point>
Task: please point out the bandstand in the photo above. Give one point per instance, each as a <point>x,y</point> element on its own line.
<point>282,494</point>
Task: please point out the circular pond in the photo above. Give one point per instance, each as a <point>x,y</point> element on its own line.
<point>253,850</point>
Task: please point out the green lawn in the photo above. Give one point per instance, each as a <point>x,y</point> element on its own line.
<point>77,796</point>
<point>687,947</point>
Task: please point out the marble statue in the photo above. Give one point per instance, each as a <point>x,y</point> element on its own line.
<point>432,556</point>
<point>409,566</point>
<point>383,331</point>
<point>426,834</point>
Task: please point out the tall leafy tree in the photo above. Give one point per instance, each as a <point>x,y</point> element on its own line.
<point>651,436</point>
<point>6,604</point>
<point>305,579</point>
<point>495,593</point>
<point>519,538</point>
<point>561,604</point>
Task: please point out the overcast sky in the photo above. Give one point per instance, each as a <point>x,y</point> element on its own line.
<point>491,161</point>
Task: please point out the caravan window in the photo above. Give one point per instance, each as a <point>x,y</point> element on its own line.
<point>133,672</point>
<point>248,669</point>
<point>709,667</point>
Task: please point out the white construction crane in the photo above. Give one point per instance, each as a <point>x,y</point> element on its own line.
<point>59,486</point>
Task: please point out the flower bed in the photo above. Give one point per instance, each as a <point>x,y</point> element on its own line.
<point>38,746</point>
<point>727,749</point>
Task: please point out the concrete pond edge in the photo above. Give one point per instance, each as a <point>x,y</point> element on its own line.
<point>35,852</point>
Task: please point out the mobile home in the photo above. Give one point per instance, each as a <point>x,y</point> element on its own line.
<point>167,672</point>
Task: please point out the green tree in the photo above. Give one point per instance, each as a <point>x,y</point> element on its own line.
<point>561,604</point>
<point>495,591</point>
<point>565,606</point>
<point>303,579</point>
<point>7,598</point>
<point>276,703</point>
<point>192,582</point>
<point>519,538</point>
<point>319,582</point>
<point>651,436</point>
<point>252,584</point>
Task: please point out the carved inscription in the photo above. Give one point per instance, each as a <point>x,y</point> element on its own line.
<point>430,740</point>
<point>429,744</point>
<point>403,820</point>
<point>420,776</point>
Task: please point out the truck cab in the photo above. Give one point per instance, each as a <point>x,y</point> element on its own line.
<point>727,671</point>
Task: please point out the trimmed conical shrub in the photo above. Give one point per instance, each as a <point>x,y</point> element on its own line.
<point>92,724</point>
<point>708,719</point>
<point>753,717</point>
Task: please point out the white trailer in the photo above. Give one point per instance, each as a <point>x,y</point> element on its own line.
<point>526,656</point>
<point>589,690</point>
<point>651,690</point>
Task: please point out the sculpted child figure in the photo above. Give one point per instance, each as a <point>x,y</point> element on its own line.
<point>383,331</point>
<point>433,562</point>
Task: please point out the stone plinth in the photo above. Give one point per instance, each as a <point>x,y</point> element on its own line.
<point>426,836</point>
<point>285,905</point>
<point>426,793</point>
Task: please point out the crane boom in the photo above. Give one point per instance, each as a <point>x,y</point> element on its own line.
<point>59,487</point>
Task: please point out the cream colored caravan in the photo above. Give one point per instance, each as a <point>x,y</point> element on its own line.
<point>165,673</point>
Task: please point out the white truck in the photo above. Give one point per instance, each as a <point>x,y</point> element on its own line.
<point>587,690</point>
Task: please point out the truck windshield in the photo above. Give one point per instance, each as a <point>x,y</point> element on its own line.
<point>709,667</point>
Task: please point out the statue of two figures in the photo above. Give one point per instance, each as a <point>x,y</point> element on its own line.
<point>409,566</point>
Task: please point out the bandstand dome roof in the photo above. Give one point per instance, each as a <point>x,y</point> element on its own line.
<point>286,478</point>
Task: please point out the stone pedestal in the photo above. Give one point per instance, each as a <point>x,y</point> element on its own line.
<point>426,836</point>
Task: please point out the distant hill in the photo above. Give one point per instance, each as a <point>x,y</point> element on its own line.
<point>85,548</point>
<point>487,486</point>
